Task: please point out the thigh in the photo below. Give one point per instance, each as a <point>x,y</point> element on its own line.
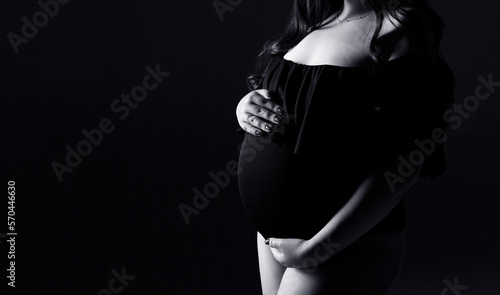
<point>297,281</point>
<point>271,271</point>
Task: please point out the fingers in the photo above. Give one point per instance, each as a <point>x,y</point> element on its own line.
<point>274,246</point>
<point>264,93</point>
<point>257,114</point>
<point>274,243</point>
<point>262,100</point>
<point>251,129</point>
<point>258,122</point>
<point>277,254</point>
<point>263,114</point>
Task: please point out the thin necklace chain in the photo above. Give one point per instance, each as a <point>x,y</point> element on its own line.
<point>309,30</point>
<point>355,18</point>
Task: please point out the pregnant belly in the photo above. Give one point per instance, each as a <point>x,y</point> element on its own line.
<point>288,195</point>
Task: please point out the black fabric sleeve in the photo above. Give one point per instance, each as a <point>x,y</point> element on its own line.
<point>411,111</point>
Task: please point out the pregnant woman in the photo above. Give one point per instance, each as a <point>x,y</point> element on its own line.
<point>344,115</point>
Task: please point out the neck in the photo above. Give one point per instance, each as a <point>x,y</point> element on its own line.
<point>353,8</point>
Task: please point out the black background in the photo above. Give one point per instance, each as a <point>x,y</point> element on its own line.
<point>119,207</point>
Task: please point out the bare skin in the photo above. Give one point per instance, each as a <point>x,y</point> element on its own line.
<point>257,114</point>
<point>281,262</point>
<point>271,271</point>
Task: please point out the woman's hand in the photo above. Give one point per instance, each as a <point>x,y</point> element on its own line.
<point>257,114</point>
<point>293,253</point>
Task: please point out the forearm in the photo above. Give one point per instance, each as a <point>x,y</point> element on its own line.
<point>371,202</point>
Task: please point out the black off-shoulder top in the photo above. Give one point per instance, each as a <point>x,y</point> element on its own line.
<point>344,123</point>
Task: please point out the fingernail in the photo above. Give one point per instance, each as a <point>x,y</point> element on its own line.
<point>266,241</point>
<point>257,132</point>
<point>277,119</point>
<point>280,111</point>
<point>268,127</point>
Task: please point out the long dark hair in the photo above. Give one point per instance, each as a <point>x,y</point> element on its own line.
<point>309,15</point>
